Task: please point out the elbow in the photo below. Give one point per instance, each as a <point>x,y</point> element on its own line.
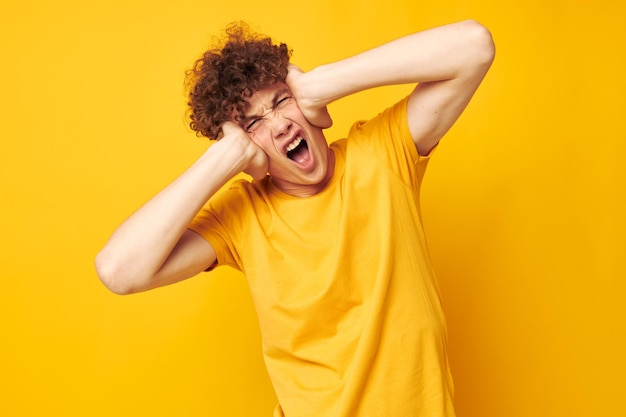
<point>109,273</point>
<point>482,44</point>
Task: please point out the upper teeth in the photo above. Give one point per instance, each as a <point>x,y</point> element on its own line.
<point>293,145</point>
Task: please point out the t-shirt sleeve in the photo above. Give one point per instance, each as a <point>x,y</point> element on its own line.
<point>219,222</point>
<point>388,137</point>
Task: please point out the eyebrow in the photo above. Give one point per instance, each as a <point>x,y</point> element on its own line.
<point>275,98</point>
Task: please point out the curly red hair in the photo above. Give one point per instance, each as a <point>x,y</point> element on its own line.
<point>226,76</point>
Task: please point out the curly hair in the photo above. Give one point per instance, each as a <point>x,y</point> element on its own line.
<point>227,75</point>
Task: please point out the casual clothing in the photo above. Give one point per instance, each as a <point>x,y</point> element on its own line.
<point>347,302</point>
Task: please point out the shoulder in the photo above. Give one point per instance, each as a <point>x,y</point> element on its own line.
<point>230,209</point>
<point>386,140</point>
<point>390,123</point>
<point>244,190</point>
<point>387,132</point>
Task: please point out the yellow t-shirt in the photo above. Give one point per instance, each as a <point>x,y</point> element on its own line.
<point>347,302</point>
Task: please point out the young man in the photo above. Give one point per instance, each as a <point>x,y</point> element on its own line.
<point>329,236</point>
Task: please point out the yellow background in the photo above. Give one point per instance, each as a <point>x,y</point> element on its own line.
<point>524,205</point>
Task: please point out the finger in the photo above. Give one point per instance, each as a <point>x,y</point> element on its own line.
<point>319,117</point>
<point>229,127</point>
<point>293,67</point>
<point>293,71</point>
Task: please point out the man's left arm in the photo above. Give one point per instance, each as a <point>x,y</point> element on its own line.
<point>447,63</point>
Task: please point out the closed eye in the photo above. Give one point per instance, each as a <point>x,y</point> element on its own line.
<point>281,99</point>
<point>252,124</point>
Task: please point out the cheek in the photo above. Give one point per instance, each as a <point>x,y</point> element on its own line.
<point>264,142</point>
<point>296,115</point>
<point>258,139</point>
<point>317,136</point>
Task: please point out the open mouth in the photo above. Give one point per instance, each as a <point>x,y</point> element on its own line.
<point>298,151</point>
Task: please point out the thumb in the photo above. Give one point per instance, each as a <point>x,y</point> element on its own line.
<point>229,128</point>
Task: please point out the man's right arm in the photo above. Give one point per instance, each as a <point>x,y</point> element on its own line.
<point>153,247</point>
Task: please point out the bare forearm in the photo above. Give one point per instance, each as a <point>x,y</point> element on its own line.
<point>458,50</point>
<point>142,244</point>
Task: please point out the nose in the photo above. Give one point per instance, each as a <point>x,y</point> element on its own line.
<point>280,125</point>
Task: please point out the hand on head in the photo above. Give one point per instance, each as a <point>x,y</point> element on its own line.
<point>257,160</point>
<point>316,115</point>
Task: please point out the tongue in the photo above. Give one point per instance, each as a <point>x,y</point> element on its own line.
<point>300,154</point>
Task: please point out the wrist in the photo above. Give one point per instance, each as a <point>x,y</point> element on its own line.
<point>228,155</point>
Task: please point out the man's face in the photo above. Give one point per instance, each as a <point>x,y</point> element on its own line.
<point>300,161</point>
